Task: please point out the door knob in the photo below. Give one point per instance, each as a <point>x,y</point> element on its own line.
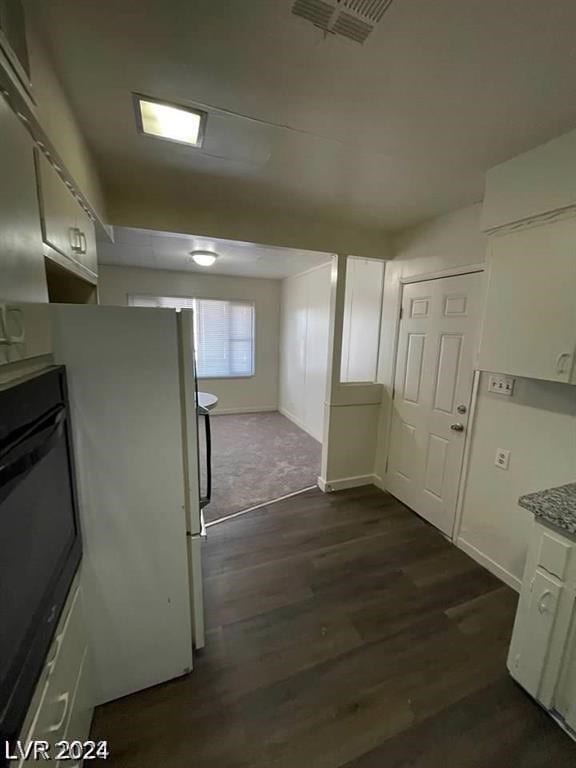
<point>461,409</point>
<point>457,427</point>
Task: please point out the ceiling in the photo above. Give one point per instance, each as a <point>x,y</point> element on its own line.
<point>376,136</point>
<point>165,250</point>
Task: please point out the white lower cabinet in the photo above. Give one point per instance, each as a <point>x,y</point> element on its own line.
<point>537,619</point>
<point>565,698</point>
<point>62,708</point>
<point>542,656</point>
<point>82,707</point>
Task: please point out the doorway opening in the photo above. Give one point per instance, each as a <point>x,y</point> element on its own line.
<point>261,343</point>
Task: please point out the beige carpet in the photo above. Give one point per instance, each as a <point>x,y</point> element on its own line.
<point>257,457</point>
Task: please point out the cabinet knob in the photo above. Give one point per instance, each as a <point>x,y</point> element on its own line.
<point>542,603</point>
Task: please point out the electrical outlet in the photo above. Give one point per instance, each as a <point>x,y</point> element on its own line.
<point>502,460</point>
<point>500,385</point>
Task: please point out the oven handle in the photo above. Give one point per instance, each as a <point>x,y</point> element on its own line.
<point>52,421</point>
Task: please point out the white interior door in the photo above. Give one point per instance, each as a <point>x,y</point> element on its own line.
<point>432,391</point>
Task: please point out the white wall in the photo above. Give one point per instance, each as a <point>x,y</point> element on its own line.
<point>256,393</point>
<point>538,424</point>
<point>196,208</point>
<point>351,413</point>
<point>304,348</point>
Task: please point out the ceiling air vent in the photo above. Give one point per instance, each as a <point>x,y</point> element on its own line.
<point>316,11</point>
<point>351,27</point>
<point>354,19</point>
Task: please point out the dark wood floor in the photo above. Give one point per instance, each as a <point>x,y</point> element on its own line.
<point>344,631</point>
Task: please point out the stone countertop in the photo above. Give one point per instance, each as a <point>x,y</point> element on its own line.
<point>556,506</point>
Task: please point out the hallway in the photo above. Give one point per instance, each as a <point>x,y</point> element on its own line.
<point>343,631</point>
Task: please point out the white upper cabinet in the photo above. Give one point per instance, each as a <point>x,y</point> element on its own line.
<point>22,275</point>
<point>66,227</point>
<point>530,185</point>
<point>529,326</point>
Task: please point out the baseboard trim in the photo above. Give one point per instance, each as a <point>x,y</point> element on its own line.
<point>345,482</point>
<point>231,411</point>
<point>491,565</point>
<point>295,420</point>
<point>259,506</point>
<point>379,483</point>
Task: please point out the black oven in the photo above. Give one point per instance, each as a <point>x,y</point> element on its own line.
<point>40,542</point>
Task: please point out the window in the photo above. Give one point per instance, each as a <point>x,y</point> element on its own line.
<point>223,331</point>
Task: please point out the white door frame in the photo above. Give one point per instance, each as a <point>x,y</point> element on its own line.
<point>422,277</point>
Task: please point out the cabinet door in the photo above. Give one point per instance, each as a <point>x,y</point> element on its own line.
<point>59,701</point>
<point>533,631</point>
<point>27,329</point>
<point>22,276</point>
<point>564,701</point>
<point>60,212</point>
<point>529,324</point>
<point>88,256</point>
<point>81,710</point>
<point>567,704</point>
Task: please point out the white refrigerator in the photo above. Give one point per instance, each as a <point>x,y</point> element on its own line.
<point>133,398</point>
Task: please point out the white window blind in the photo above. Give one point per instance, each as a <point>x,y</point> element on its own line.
<point>223,332</point>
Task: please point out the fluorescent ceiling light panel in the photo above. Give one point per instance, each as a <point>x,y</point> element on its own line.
<point>170,121</point>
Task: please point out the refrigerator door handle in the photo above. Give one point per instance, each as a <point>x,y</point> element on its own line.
<point>205,500</point>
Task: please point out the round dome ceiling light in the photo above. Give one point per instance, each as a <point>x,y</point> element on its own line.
<point>203,258</point>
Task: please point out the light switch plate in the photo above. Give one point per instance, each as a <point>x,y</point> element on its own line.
<point>502,459</point>
<point>500,385</point>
